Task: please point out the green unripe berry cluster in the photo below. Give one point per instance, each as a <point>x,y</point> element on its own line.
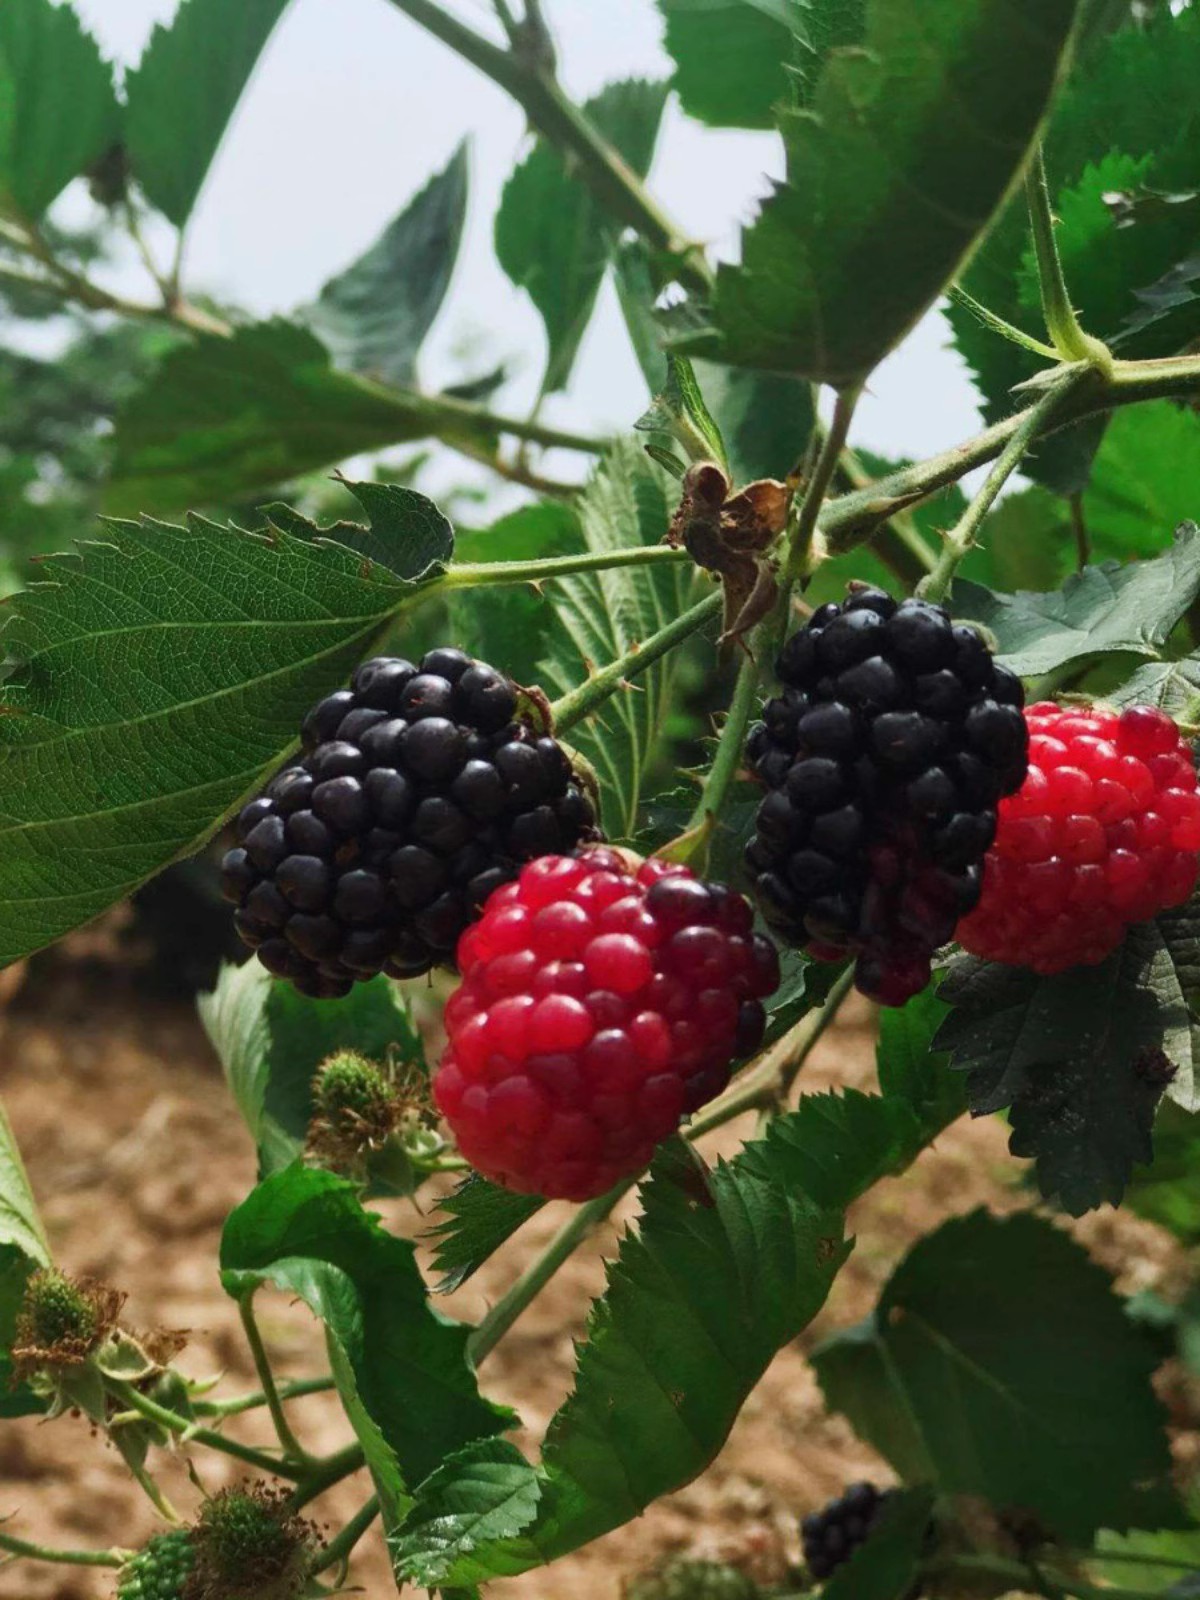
<point>249,1547</point>
<point>349,1084</point>
<point>57,1311</point>
<point>160,1570</point>
<point>690,1579</point>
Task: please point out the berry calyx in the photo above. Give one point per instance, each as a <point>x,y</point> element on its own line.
<point>885,756</point>
<point>420,790</point>
<point>601,1002</point>
<point>160,1569</point>
<point>831,1535</point>
<point>1104,832</point>
<point>248,1545</point>
<point>62,1320</point>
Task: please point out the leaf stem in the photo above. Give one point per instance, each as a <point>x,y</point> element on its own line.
<point>1066,333</point>
<point>958,296</point>
<point>339,1550</point>
<point>769,1081</point>
<point>1027,1577</point>
<point>799,557</point>
<point>898,542</point>
<point>581,702</point>
<point>598,163</point>
<point>728,758</point>
<point>292,1448</point>
<point>251,1402</point>
<point>578,1226</point>
<point>482,574</point>
<point>961,538</point>
<point>29,1551</point>
<point>134,1400</point>
<point>326,1473</point>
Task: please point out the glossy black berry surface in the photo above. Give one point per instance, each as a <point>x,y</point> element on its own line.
<point>832,1535</point>
<point>418,792</point>
<point>893,739</point>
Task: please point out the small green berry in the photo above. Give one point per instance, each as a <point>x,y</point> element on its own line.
<point>160,1569</point>
<point>348,1085</point>
<point>689,1579</point>
<point>249,1546</point>
<point>61,1321</point>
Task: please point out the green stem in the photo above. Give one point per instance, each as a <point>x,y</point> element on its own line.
<point>958,296</point>
<point>1067,336</point>
<point>134,1400</point>
<point>338,1551</point>
<point>481,574</point>
<point>769,1081</point>
<point>799,556</point>
<point>144,1480</point>
<point>534,1279</point>
<point>961,538</point>
<point>898,541</point>
<point>251,1402</point>
<point>728,758</point>
<point>292,1448</point>
<point>326,1473</point>
<point>581,702</point>
<point>1083,539</point>
<point>851,519</point>
<point>598,163</point>
<point>113,1557</point>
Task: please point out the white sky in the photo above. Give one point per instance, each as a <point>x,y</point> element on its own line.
<point>354,106</point>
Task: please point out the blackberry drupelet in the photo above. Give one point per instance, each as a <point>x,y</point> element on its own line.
<point>832,1535</point>
<point>160,1569</point>
<point>886,755</point>
<point>418,793</point>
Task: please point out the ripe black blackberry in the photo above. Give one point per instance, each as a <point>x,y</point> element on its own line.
<point>832,1535</point>
<point>894,738</point>
<point>419,792</point>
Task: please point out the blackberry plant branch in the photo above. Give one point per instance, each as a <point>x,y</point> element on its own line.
<point>800,538</point>
<point>173,1422</point>
<point>961,538</point>
<point>342,1464</point>
<point>580,1225</point>
<point>479,575</point>
<point>337,1553</point>
<point>1062,324</point>
<point>255,1400</point>
<point>592,693</point>
<point>728,757</point>
<point>292,1448</point>
<point>27,1550</point>
<point>1028,1578</point>
<point>599,165</point>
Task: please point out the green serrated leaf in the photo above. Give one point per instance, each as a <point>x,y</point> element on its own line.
<point>678,410</point>
<point>405,531</point>
<point>887,1566</point>
<point>401,1368</point>
<point>183,92</point>
<point>375,315</point>
<point>911,1069</point>
<point>222,418</point>
<point>58,105</point>
<point>160,677</point>
<point>479,1218</point>
<point>486,1493</point>
<point>851,250</point>
<point>732,57</point>
<point>23,1248</point>
<point>1146,480</point>
<point>1172,685</point>
<point>271,1040</point>
<point>968,1377</point>
<point>1097,611</point>
<point>1168,1191</point>
<point>722,1271</point>
<point>599,616</point>
<point>553,239</point>
<point>1066,1053</point>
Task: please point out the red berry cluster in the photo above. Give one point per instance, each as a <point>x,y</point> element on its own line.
<point>600,1003</point>
<point>1103,833</point>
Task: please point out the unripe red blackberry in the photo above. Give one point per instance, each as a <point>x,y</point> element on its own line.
<point>419,791</point>
<point>832,1535</point>
<point>1104,832</point>
<point>601,1002</point>
<point>885,755</point>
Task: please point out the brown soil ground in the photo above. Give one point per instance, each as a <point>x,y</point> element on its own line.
<point>136,1157</point>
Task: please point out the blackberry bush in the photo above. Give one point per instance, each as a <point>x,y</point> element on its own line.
<point>419,792</point>
<point>885,757</point>
<point>631,1053</point>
